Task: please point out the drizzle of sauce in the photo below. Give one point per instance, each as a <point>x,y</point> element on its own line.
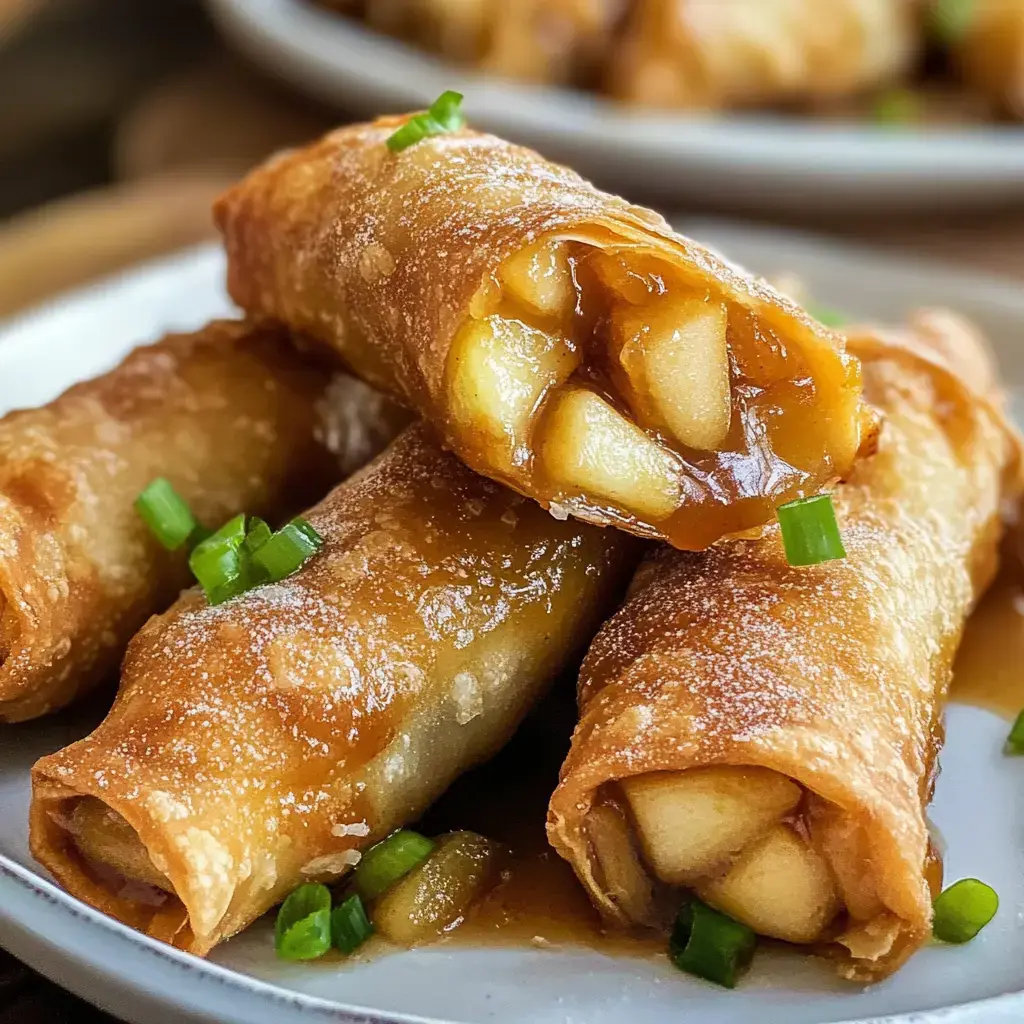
<point>989,669</point>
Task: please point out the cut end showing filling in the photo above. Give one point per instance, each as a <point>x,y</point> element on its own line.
<point>739,838</point>
<point>630,391</point>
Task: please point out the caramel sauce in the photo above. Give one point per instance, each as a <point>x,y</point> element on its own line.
<point>989,668</point>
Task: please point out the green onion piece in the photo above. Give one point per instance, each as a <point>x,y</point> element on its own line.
<point>1015,741</point>
<point>445,115</point>
<point>257,534</point>
<point>217,562</point>
<point>950,20</point>
<point>350,927</point>
<point>963,909</point>
<point>287,549</point>
<point>828,317</point>
<point>389,860</point>
<point>711,945</point>
<point>896,107</point>
<point>810,533</point>
<point>303,927</point>
<point>166,513</point>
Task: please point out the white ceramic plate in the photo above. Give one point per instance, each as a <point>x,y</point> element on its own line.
<point>978,806</point>
<point>761,162</point>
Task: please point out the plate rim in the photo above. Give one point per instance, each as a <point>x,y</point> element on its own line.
<point>22,886</point>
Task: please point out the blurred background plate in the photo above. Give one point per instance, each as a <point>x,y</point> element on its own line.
<point>767,163</point>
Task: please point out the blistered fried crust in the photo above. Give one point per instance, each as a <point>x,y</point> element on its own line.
<point>560,340</point>
<point>694,54</point>
<point>834,676</point>
<point>228,415</point>
<point>263,742</point>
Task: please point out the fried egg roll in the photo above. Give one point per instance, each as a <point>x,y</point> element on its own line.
<point>990,52</point>
<point>551,41</point>
<point>264,742</point>
<point>561,341</point>
<point>765,735</point>
<point>229,415</point>
<point>743,53</point>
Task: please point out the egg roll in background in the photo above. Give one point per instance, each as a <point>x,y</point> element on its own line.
<point>743,53</point>
<point>990,52</point>
<point>548,41</point>
<point>561,341</point>
<point>263,742</point>
<point>767,735</point>
<point>232,415</point>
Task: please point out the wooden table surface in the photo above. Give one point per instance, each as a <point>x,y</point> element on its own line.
<point>171,151</point>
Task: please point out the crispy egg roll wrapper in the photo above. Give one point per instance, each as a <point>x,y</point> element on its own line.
<point>743,53</point>
<point>834,676</point>
<point>231,415</point>
<point>551,41</point>
<point>264,742</point>
<point>560,340</point>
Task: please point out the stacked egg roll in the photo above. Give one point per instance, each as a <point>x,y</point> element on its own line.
<point>265,741</point>
<point>990,51</point>
<point>561,341</point>
<point>229,415</point>
<point>696,54</point>
<point>766,735</point>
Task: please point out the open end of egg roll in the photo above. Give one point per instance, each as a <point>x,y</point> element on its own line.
<point>560,340</point>
<point>765,736</point>
<point>265,741</point>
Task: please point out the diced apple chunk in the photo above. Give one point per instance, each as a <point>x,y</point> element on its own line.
<point>103,836</point>
<point>540,277</point>
<point>435,897</point>
<point>780,886</point>
<point>585,445</point>
<point>500,372</point>
<point>677,360</point>
<point>622,874</point>
<point>691,821</point>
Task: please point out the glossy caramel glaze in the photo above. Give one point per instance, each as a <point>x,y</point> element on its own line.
<point>263,742</point>
<point>229,415</point>
<point>386,257</point>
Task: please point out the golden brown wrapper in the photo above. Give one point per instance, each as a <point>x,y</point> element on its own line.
<point>834,675</point>
<point>990,52</point>
<point>741,53</point>
<point>263,742</point>
<point>229,415</point>
<point>414,267</point>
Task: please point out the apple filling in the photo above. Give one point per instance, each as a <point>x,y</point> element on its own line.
<point>608,384</point>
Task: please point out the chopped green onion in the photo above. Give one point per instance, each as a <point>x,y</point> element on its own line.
<point>257,534</point>
<point>350,927</point>
<point>828,317</point>
<point>389,860</point>
<point>810,533</point>
<point>286,550</point>
<point>166,513</point>
<point>445,115</point>
<point>950,19</point>
<point>896,107</point>
<point>711,945</point>
<point>303,927</point>
<point>963,909</point>
<point>217,562</point>
<point>1015,741</point>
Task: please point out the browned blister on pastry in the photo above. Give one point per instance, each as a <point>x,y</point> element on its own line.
<point>766,735</point>
<point>742,53</point>
<point>229,415</point>
<point>560,340</point>
<point>264,742</point>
